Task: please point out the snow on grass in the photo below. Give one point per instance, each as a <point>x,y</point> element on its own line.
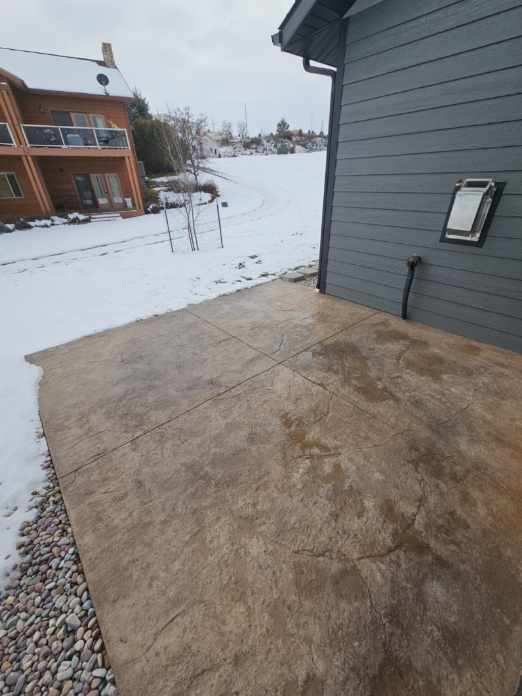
<point>60,283</point>
<point>179,198</point>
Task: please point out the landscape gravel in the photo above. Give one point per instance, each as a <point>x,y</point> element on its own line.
<point>50,641</point>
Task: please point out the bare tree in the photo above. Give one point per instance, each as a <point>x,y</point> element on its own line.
<point>242,130</point>
<point>181,134</point>
<point>226,133</point>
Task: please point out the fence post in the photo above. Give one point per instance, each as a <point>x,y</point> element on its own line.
<point>219,221</point>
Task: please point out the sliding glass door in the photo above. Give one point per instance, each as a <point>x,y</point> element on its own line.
<point>99,191</point>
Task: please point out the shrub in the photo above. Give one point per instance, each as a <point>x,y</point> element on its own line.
<point>210,188</point>
<point>283,149</point>
<point>181,185</point>
<point>150,196</point>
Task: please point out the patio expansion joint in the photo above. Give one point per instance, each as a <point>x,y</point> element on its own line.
<point>280,363</point>
<point>148,431</point>
<point>292,355</point>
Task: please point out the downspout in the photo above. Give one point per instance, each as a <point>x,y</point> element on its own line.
<point>411,263</point>
<point>328,177</point>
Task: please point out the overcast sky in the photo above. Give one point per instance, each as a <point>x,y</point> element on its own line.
<point>213,55</point>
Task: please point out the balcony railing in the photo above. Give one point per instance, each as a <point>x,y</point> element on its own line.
<point>75,136</point>
<point>6,137</point>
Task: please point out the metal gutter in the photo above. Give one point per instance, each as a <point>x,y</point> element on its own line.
<point>333,135</point>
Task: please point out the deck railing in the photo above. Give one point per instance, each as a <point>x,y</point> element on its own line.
<point>75,136</point>
<point>6,137</point>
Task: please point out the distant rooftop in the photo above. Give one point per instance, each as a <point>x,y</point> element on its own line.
<point>56,73</point>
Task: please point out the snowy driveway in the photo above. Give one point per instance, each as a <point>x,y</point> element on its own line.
<point>66,282</point>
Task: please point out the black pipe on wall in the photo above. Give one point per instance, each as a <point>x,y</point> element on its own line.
<point>412,262</point>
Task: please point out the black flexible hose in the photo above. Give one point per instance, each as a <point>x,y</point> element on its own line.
<point>412,262</point>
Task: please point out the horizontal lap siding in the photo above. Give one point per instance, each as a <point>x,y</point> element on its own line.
<point>59,176</point>
<point>13,208</point>
<point>432,93</point>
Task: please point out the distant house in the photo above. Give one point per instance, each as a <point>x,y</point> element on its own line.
<point>425,157</point>
<point>209,145</point>
<point>65,143</point>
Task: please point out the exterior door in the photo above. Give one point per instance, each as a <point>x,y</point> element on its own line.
<point>85,191</point>
<point>116,194</point>
<point>101,191</point>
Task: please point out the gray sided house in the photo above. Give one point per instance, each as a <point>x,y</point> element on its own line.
<point>425,156</point>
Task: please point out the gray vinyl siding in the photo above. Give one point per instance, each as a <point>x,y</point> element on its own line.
<point>432,93</point>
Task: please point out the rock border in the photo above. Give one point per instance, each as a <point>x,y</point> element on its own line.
<point>50,640</point>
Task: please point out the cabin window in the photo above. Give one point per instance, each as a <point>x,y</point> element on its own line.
<point>79,119</point>
<point>98,120</point>
<point>62,118</point>
<point>9,186</point>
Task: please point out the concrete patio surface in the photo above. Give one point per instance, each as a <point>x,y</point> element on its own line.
<point>280,493</point>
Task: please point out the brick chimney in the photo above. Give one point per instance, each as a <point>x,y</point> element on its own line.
<point>108,55</point>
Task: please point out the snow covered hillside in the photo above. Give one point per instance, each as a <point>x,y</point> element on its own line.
<point>61,283</point>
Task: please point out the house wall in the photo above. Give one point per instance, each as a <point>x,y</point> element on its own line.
<point>37,108</point>
<point>59,177</point>
<point>13,208</point>
<point>432,93</point>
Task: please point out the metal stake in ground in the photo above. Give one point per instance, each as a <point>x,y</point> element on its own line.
<point>168,227</point>
<point>194,233</point>
<point>189,234</point>
<point>219,221</point>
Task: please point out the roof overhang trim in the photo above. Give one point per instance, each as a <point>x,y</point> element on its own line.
<point>310,29</point>
<point>360,6</point>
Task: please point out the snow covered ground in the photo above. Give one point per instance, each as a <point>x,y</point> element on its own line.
<point>61,283</point>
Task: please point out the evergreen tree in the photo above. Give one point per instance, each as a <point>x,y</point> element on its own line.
<point>283,129</point>
<point>148,138</point>
<point>138,108</point>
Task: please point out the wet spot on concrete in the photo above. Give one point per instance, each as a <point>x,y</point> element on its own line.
<point>391,335</point>
<point>297,434</point>
<point>291,688</point>
<point>347,361</point>
<point>434,366</point>
<point>313,686</point>
<point>469,349</point>
<point>391,512</point>
<point>348,585</point>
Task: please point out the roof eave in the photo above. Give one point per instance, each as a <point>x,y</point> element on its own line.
<point>306,22</point>
<point>291,23</point>
<point>82,95</point>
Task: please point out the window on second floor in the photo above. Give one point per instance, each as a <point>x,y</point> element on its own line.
<point>9,186</point>
<point>79,119</point>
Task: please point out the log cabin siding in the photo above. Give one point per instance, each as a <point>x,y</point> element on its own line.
<point>38,108</point>
<point>13,208</point>
<point>60,182</point>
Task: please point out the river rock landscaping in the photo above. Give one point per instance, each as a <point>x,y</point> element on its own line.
<point>50,641</point>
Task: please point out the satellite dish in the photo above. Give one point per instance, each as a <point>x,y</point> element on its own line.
<point>102,79</point>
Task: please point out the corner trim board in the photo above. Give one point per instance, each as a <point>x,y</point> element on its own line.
<point>331,160</point>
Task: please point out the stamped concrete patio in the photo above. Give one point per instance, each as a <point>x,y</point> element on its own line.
<point>278,493</point>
